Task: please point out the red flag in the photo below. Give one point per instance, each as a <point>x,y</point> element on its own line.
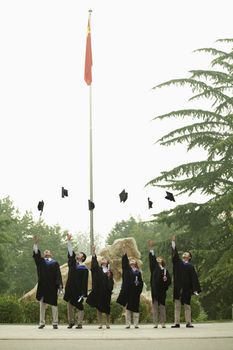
<point>88,59</point>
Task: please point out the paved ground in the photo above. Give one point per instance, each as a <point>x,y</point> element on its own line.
<point>208,336</point>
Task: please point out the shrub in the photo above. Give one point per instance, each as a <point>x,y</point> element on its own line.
<point>10,311</point>
<point>116,312</point>
<point>90,314</point>
<point>30,311</point>
<point>145,312</point>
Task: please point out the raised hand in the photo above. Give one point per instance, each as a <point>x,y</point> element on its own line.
<point>124,248</point>
<point>35,239</point>
<point>69,236</point>
<point>150,244</point>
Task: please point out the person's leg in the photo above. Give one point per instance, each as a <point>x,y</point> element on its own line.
<point>127,318</point>
<point>42,313</point>
<point>187,315</point>
<point>177,313</point>
<point>99,317</point>
<point>107,321</point>
<point>155,313</point>
<point>70,314</point>
<point>80,318</point>
<point>162,315</point>
<point>136,319</point>
<point>55,316</point>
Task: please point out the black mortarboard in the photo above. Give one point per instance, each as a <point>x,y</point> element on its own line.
<point>150,203</point>
<point>40,206</point>
<point>64,192</point>
<point>123,196</point>
<point>91,205</point>
<point>170,196</point>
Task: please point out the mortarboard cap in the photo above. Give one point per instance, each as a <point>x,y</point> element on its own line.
<point>150,203</point>
<point>40,206</point>
<point>64,192</point>
<point>170,196</point>
<point>123,196</point>
<point>91,205</point>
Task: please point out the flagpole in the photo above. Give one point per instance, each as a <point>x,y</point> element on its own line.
<point>91,174</point>
<point>91,161</point>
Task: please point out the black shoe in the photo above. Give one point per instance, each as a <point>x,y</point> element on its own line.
<point>176,325</point>
<point>163,326</point>
<point>189,325</point>
<point>136,327</point>
<point>55,326</point>
<point>100,327</point>
<point>155,326</point>
<point>71,325</point>
<point>41,326</point>
<point>108,327</point>
<point>127,327</point>
<point>79,326</point>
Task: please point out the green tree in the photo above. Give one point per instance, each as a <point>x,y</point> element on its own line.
<point>207,226</point>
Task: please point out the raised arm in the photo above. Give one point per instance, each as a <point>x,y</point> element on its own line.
<point>175,255</point>
<point>94,261</point>
<point>125,262</point>
<point>36,251</point>
<point>71,254</point>
<point>124,259</point>
<point>152,258</point>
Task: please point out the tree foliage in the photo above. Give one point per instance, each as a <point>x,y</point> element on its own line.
<point>17,268</point>
<point>207,226</point>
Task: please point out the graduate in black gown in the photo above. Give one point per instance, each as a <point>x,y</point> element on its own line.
<point>102,286</point>
<point>76,285</point>
<point>186,284</point>
<point>160,280</point>
<point>131,290</point>
<point>49,283</point>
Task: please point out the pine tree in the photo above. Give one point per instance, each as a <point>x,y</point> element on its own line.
<point>208,225</point>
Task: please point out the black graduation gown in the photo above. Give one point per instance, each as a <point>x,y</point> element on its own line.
<point>185,279</point>
<point>49,279</point>
<point>158,285</point>
<point>77,282</point>
<point>131,287</point>
<point>102,286</point>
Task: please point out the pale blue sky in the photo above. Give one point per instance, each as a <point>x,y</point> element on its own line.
<point>44,101</point>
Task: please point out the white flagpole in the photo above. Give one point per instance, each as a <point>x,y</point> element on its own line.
<point>91,161</point>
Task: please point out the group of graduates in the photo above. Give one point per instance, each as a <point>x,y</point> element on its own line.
<point>76,289</point>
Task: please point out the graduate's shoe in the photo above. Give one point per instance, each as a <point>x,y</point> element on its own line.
<point>71,325</point>
<point>79,326</point>
<point>100,327</point>
<point>163,326</point>
<point>108,327</point>
<point>155,326</point>
<point>127,327</point>
<point>55,326</point>
<point>41,326</point>
<point>189,325</point>
<point>177,325</point>
<point>136,327</point>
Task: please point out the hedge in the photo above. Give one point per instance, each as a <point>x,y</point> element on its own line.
<point>12,310</point>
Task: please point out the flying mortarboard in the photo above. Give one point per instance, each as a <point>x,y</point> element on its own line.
<point>123,196</point>
<point>150,203</point>
<point>91,205</point>
<point>40,206</point>
<point>64,192</point>
<point>170,196</point>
